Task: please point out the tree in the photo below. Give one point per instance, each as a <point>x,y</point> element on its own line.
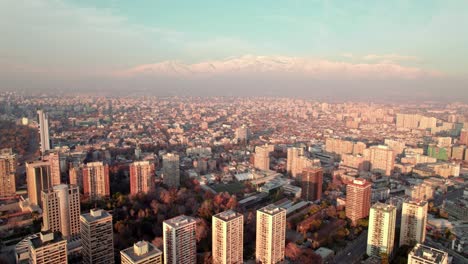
<point>202,229</point>
<point>292,251</point>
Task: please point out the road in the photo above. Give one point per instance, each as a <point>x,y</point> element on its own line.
<point>353,251</point>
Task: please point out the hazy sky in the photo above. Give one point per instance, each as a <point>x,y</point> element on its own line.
<point>56,42</point>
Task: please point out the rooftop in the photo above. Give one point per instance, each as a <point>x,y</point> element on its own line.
<point>179,221</point>
<point>140,251</point>
<point>227,215</point>
<point>428,253</point>
<point>46,238</point>
<point>271,209</point>
<point>95,215</point>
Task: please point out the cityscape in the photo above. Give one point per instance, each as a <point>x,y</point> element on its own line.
<point>233,132</point>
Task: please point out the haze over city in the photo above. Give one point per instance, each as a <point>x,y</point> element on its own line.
<point>399,50</point>
<point>233,132</point>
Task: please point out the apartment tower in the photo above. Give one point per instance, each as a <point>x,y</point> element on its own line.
<point>38,179</point>
<point>43,131</point>
<point>61,210</point>
<point>179,240</point>
<point>97,237</point>
<point>271,234</point>
<point>7,173</point>
<point>312,180</point>
<point>48,248</point>
<point>227,238</point>
<point>142,252</point>
<point>96,180</point>
<point>413,223</point>
<point>358,199</point>
<point>171,170</point>
<point>381,233</point>
<point>141,177</point>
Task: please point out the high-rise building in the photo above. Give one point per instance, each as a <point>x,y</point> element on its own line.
<point>43,131</point>
<point>141,177</point>
<point>358,199</point>
<point>7,173</point>
<point>413,223</point>
<point>464,137</point>
<point>381,236</point>
<point>61,210</point>
<point>228,238</point>
<point>271,234</point>
<point>142,252</point>
<point>422,254</point>
<point>397,146</point>
<point>180,245</point>
<point>75,176</point>
<point>421,191</point>
<point>262,157</point>
<point>293,154</point>
<point>96,180</point>
<point>38,179</point>
<point>312,180</point>
<point>97,237</point>
<point>54,160</point>
<point>242,133</point>
<point>48,248</point>
<point>382,159</point>
<point>171,170</point>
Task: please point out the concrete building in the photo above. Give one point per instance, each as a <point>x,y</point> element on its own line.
<point>54,160</point>
<point>61,210</point>
<point>381,234</point>
<point>228,238</point>
<point>262,157</point>
<point>141,177</point>
<point>242,133</point>
<point>43,131</point>
<point>420,192</point>
<point>271,234</point>
<point>75,176</point>
<point>292,164</point>
<point>422,254</point>
<point>97,237</point>
<point>312,180</point>
<point>180,245</point>
<point>96,180</point>
<point>382,159</point>
<point>413,223</point>
<point>48,248</point>
<point>7,173</point>
<point>464,137</point>
<point>38,179</point>
<point>171,170</point>
<point>358,199</point>
<point>142,252</point>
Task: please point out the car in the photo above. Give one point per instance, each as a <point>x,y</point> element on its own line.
<point>349,253</point>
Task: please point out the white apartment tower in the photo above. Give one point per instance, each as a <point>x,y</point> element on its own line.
<point>61,210</point>
<point>271,234</point>
<point>142,252</point>
<point>413,223</point>
<point>43,131</point>
<point>381,236</point>
<point>227,238</point>
<point>180,245</point>
<point>48,248</point>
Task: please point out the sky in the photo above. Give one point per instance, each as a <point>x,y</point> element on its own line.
<point>71,44</point>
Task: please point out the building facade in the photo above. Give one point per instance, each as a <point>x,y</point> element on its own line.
<point>48,248</point>
<point>43,131</point>
<point>413,223</point>
<point>228,238</point>
<point>97,237</point>
<point>141,177</point>
<point>7,173</point>
<point>271,234</point>
<point>61,210</point>
<point>171,170</point>
<point>180,245</point>
<point>358,199</point>
<point>422,254</point>
<point>38,179</point>
<point>96,180</point>
<point>381,233</point>
<point>312,181</point>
